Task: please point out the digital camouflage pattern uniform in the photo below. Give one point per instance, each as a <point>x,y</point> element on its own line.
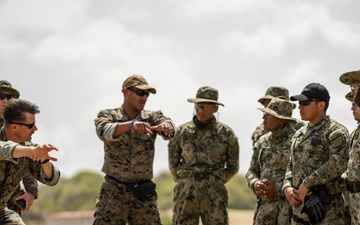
<point>269,162</point>
<point>12,171</point>
<point>30,185</point>
<point>319,156</point>
<point>128,159</point>
<point>201,161</point>
<point>352,174</point>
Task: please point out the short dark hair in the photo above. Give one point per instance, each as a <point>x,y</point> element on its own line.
<point>15,110</point>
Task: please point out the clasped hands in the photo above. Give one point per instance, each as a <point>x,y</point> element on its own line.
<point>265,188</point>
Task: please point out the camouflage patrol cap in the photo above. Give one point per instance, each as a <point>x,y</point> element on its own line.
<point>206,94</point>
<point>139,82</point>
<point>275,91</point>
<point>349,96</point>
<point>6,87</point>
<point>279,108</point>
<point>350,78</point>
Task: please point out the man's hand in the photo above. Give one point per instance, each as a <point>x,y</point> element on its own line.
<point>41,152</point>
<point>265,188</point>
<point>292,196</point>
<point>142,127</point>
<point>164,127</point>
<point>303,190</point>
<point>29,199</point>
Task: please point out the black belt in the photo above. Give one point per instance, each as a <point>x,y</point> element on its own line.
<point>299,220</point>
<point>117,181</point>
<point>353,187</point>
<point>196,176</point>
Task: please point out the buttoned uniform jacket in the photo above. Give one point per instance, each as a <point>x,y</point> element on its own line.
<point>128,157</point>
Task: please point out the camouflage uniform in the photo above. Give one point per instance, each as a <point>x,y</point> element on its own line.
<point>12,171</point>
<point>30,185</point>
<point>319,156</point>
<point>202,158</point>
<point>269,162</point>
<point>128,159</point>
<point>352,174</point>
<point>273,92</point>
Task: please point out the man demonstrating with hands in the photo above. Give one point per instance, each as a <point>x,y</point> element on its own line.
<point>16,160</point>
<point>128,195</point>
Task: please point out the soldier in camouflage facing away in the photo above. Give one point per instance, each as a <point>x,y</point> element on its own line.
<point>352,173</point>
<point>129,132</point>
<point>30,184</point>
<point>15,162</point>
<point>203,156</point>
<point>269,161</point>
<point>319,154</point>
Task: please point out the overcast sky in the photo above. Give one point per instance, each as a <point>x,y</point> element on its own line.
<point>72,56</point>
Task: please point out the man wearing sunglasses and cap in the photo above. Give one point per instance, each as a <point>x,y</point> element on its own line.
<point>319,153</point>
<point>7,92</point>
<point>352,173</point>
<point>15,163</point>
<point>269,161</point>
<point>203,156</point>
<point>128,195</point>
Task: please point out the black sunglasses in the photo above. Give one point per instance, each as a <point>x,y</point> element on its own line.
<point>3,96</point>
<point>308,102</point>
<point>139,92</point>
<point>30,126</point>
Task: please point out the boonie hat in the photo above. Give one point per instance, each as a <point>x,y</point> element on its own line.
<point>275,91</point>
<point>349,96</point>
<point>6,87</point>
<point>350,78</point>
<point>279,108</point>
<point>311,92</point>
<point>139,82</point>
<point>206,94</point>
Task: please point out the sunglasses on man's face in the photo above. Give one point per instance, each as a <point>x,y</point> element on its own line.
<point>30,126</point>
<point>3,96</point>
<point>139,92</point>
<point>308,102</point>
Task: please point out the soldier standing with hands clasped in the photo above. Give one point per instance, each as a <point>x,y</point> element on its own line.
<point>269,161</point>
<point>319,154</point>
<point>203,156</point>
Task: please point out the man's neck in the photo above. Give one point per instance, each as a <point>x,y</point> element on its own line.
<point>317,120</point>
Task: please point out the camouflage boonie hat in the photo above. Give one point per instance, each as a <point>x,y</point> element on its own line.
<point>275,91</point>
<point>279,108</point>
<point>139,82</point>
<point>349,96</point>
<point>350,78</point>
<point>6,87</point>
<point>206,94</point>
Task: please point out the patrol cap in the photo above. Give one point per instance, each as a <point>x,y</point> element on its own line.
<point>279,108</point>
<point>349,96</point>
<point>206,94</point>
<point>313,91</point>
<point>275,91</point>
<point>139,82</point>
<point>6,87</point>
<point>350,78</point>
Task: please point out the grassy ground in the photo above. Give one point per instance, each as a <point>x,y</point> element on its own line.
<point>237,217</point>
